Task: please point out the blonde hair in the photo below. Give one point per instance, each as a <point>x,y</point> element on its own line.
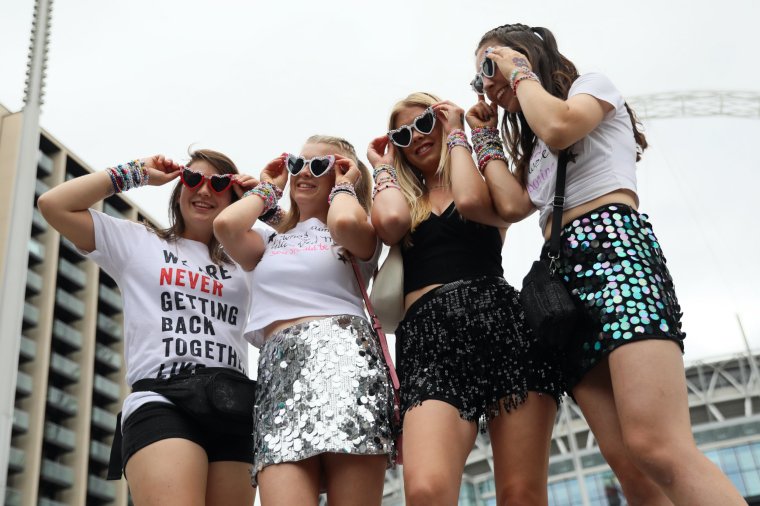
<point>410,178</point>
<point>363,186</point>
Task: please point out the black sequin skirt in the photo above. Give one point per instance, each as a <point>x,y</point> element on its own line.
<point>323,386</point>
<point>467,343</point>
<point>612,263</point>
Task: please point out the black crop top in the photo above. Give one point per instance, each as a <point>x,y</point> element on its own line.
<point>447,248</point>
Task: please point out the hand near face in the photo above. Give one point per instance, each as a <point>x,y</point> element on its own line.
<point>242,183</point>
<point>381,151</point>
<point>160,169</point>
<point>507,59</point>
<point>346,171</point>
<point>275,172</point>
<point>483,114</point>
<point>450,115</point>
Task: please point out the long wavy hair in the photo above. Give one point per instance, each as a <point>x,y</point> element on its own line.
<point>410,179</point>
<point>363,186</point>
<point>556,73</point>
<point>177,226</point>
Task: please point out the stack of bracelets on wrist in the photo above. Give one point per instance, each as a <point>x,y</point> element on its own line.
<point>273,217</point>
<point>390,180</point>
<point>521,74</point>
<point>487,146</point>
<point>268,192</point>
<point>130,175</point>
<point>457,137</point>
<point>345,187</point>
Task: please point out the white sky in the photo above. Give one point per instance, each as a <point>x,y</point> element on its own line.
<point>252,79</point>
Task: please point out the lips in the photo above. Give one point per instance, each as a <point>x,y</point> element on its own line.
<point>305,186</point>
<point>501,92</point>
<point>423,149</point>
<point>202,205</point>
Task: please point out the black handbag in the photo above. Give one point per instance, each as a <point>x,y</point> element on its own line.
<point>213,396</point>
<point>549,308</point>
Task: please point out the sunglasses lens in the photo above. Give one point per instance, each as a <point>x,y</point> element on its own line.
<point>295,164</point>
<point>426,123</point>
<point>402,137</point>
<point>477,85</point>
<point>319,166</point>
<point>191,178</point>
<point>220,183</point>
<point>489,68</point>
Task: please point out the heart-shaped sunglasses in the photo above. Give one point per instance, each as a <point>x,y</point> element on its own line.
<point>319,165</point>
<point>424,124</point>
<point>194,180</point>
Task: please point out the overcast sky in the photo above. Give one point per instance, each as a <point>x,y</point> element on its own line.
<point>132,78</point>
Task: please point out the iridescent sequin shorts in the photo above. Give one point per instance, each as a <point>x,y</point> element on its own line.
<point>467,343</point>
<point>612,262</point>
<point>323,386</point>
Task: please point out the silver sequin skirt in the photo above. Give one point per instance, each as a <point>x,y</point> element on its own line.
<point>323,386</point>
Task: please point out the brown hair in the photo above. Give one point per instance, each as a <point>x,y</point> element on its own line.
<point>556,73</point>
<point>224,165</point>
<point>363,186</point>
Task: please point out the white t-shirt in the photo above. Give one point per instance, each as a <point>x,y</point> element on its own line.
<point>605,161</point>
<point>301,274</point>
<point>180,309</point>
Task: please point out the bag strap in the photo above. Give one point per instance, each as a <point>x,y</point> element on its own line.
<point>558,207</point>
<point>376,324</point>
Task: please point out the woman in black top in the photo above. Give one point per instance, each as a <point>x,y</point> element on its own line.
<point>463,349</point>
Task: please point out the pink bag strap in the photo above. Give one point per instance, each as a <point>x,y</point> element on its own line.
<point>376,325</point>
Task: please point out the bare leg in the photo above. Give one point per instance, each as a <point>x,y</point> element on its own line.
<point>521,441</point>
<point>290,483</point>
<point>229,483</point>
<point>436,444</point>
<point>168,472</point>
<point>354,480</point>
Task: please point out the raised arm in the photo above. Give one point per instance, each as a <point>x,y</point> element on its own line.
<point>559,123</point>
<point>390,212</point>
<point>471,195</point>
<point>66,207</point>
<point>233,226</point>
<point>346,218</point>
<point>510,198</point>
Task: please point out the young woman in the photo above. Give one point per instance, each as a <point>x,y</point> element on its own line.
<point>324,402</point>
<point>181,293</point>
<point>610,258</point>
<point>463,350</point>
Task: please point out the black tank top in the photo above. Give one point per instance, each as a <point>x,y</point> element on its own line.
<point>447,248</point>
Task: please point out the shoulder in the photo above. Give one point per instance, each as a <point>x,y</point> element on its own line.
<point>598,86</point>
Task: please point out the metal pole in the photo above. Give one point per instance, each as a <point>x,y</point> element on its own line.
<point>16,247</point>
<point>576,458</point>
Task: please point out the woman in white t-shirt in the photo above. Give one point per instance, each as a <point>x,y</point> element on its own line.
<point>324,402</point>
<point>185,309</point>
<point>610,259</point>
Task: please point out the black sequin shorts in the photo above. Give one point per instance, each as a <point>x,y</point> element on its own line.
<point>612,263</point>
<point>467,343</point>
<point>323,386</point>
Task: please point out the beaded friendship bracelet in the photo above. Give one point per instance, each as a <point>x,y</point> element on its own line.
<point>487,146</point>
<point>457,137</point>
<point>388,169</point>
<point>345,187</point>
<point>268,192</point>
<point>273,217</point>
<point>515,78</point>
<point>132,174</point>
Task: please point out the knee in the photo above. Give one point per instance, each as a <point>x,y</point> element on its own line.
<point>522,493</point>
<point>656,456</point>
<point>429,489</point>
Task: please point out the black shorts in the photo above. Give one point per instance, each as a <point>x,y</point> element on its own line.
<point>156,421</point>
<point>467,343</point>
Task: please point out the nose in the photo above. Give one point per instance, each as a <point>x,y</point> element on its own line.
<point>205,187</point>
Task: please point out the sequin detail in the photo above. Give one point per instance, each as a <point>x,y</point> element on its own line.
<point>467,343</point>
<point>322,387</point>
<point>612,261</point>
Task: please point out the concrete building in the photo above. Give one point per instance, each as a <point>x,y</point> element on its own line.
<point>724,401</point>
<point>70,376</point>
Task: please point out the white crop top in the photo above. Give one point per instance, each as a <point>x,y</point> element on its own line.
<point>605,158</point>
<point>301,274</point>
